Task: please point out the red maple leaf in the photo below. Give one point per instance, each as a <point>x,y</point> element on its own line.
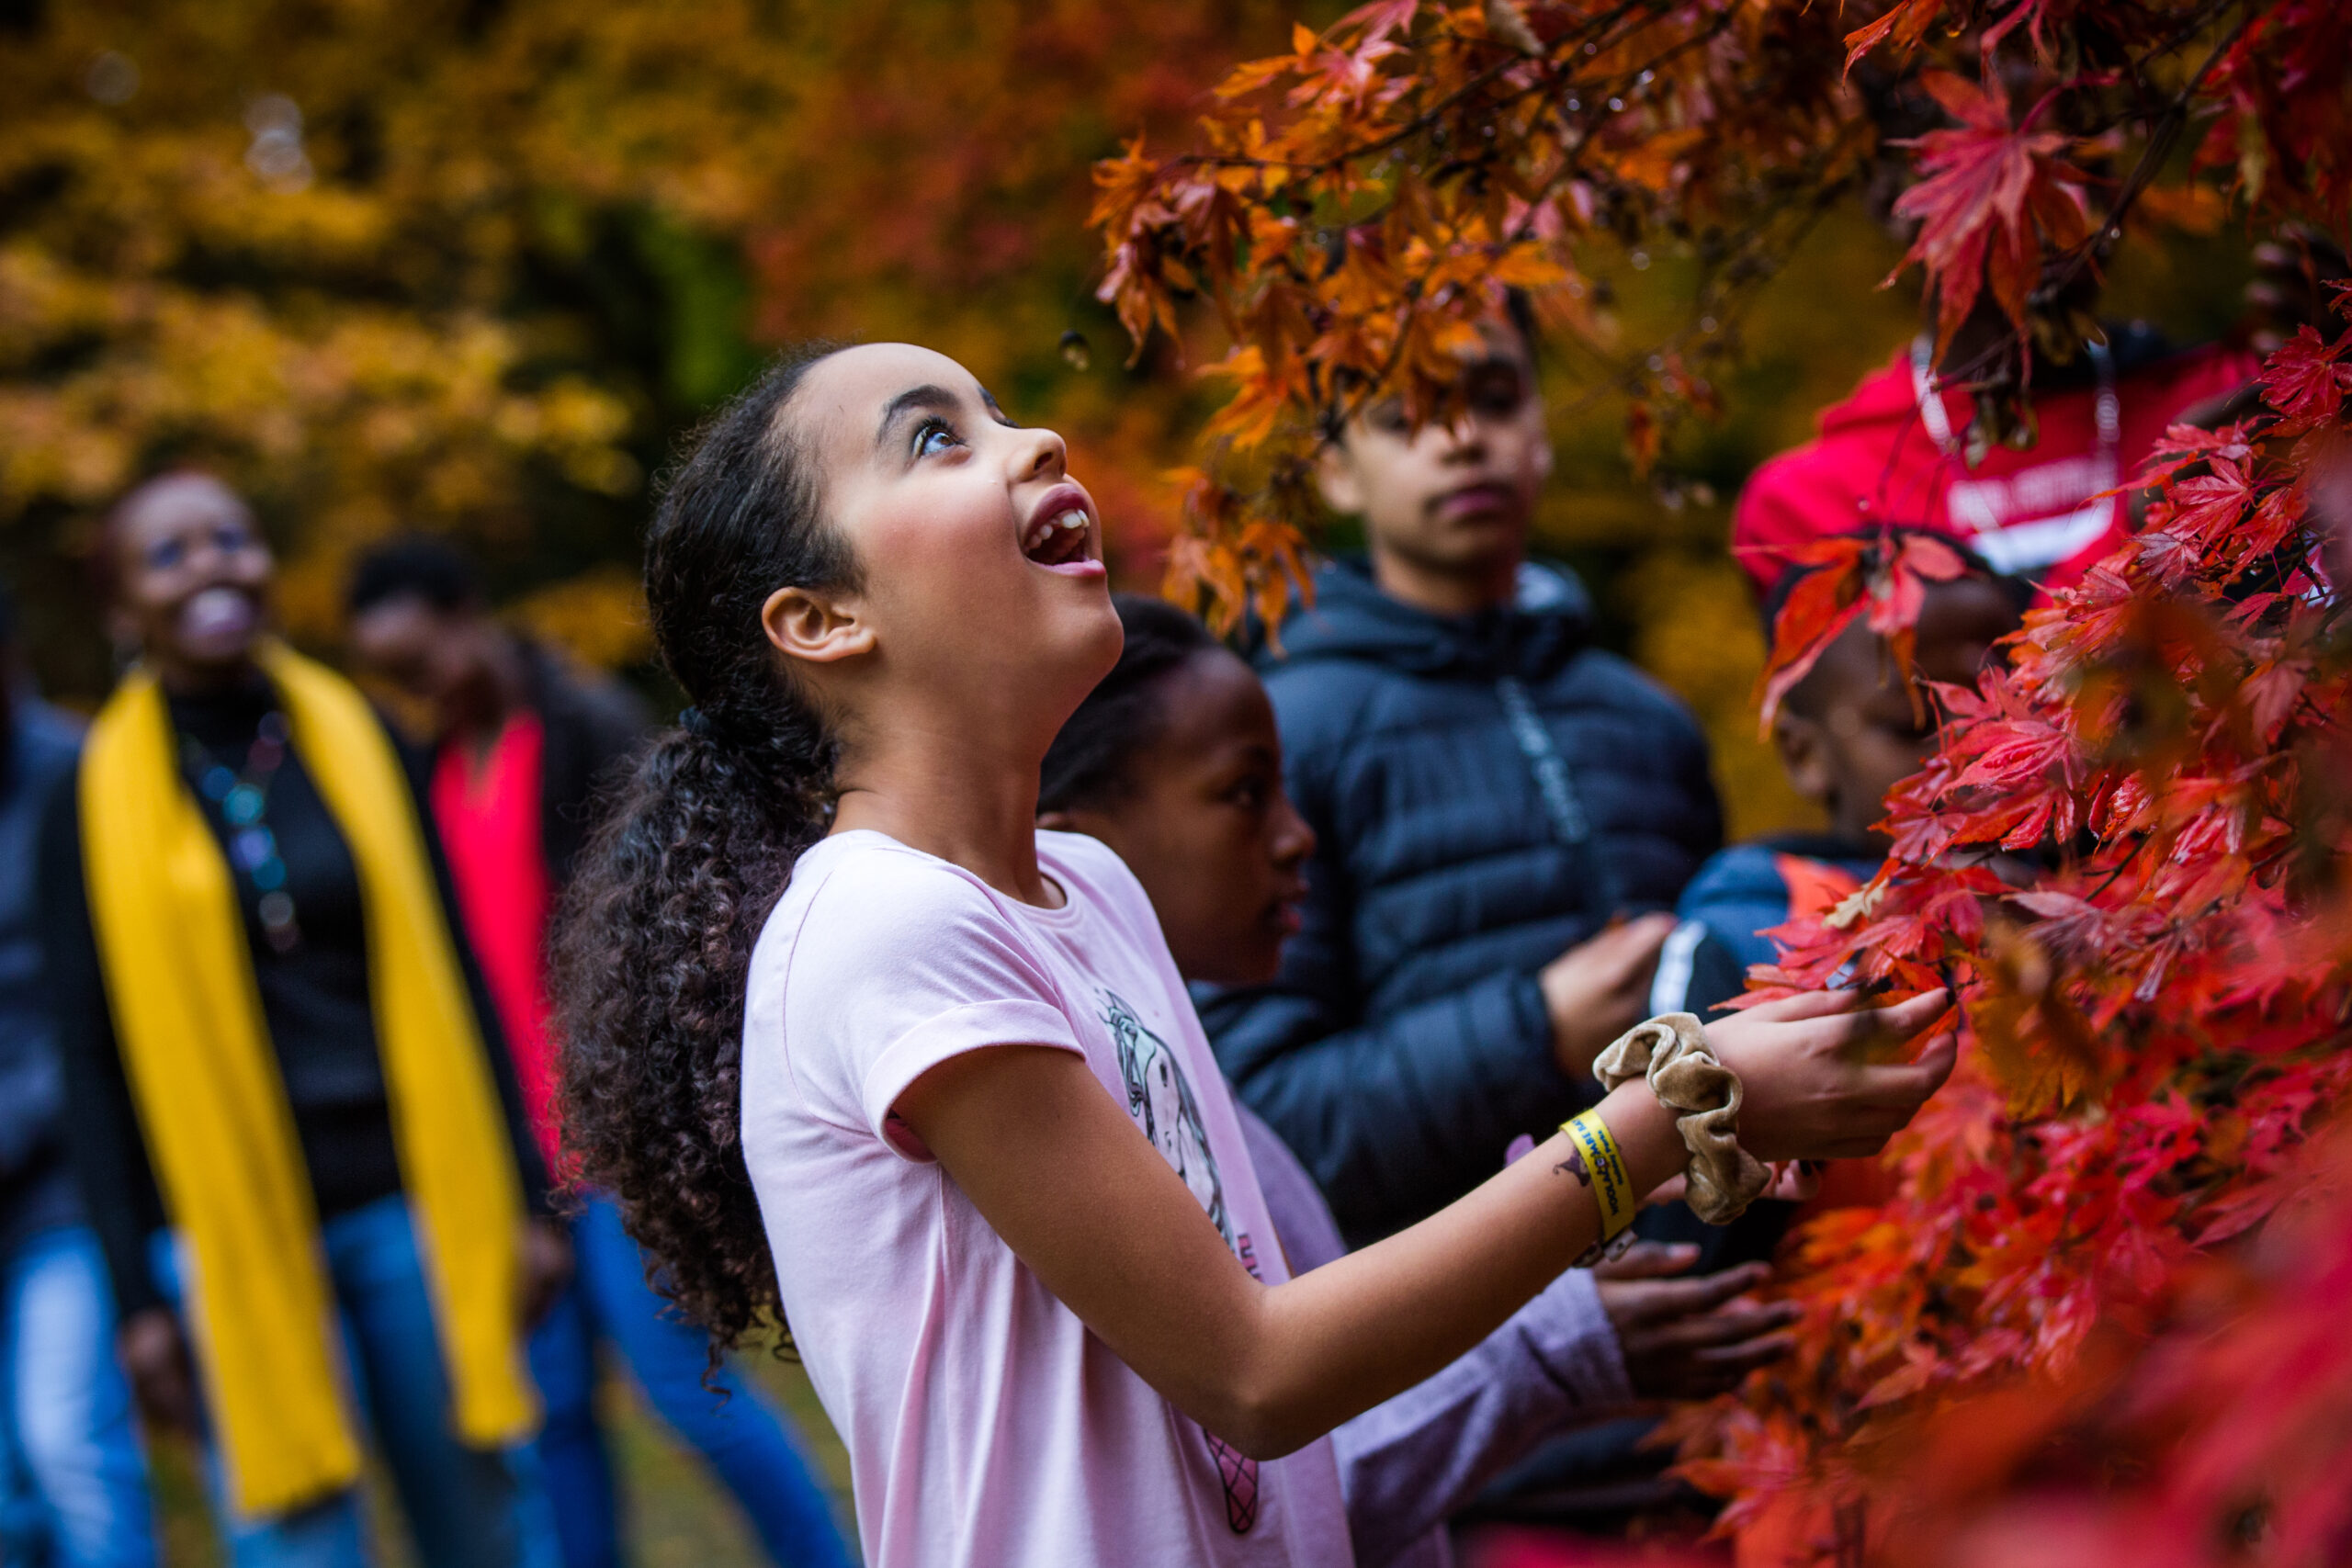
<point>1885,576</point>
<point>1819,610</point>
<point>1994,194</point>
<point>2306,378</point>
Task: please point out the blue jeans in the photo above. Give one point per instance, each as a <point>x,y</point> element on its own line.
<point>742,1435</point>
<point>73,1482</point>
<point>466,1508</point>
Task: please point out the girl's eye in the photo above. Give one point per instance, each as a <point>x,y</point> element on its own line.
<point>165,555</point>
<point>229,540</point>
<point>934,436</point>
<point>1249,792</point>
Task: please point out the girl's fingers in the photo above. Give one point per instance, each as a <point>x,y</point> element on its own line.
<point>1802,1006</point>
<point>1900,1088</point>
<point>1897,1023</point>
<point>1648,1260</point>
<point>1689,1297</point>
<point>1717,1330</point>
<point>1747,1356</point>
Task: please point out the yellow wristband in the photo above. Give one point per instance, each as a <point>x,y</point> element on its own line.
<point>1612,1187</point>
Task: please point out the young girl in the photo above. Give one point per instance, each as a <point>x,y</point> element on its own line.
<point>856,1044</point>
<point>1175,761</point>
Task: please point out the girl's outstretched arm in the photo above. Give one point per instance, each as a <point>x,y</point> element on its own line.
<point>1057,1169</point>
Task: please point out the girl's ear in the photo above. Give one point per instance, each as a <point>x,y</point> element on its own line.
<point>806,625</point>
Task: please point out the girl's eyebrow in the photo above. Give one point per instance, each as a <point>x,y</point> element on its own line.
<point>936,398</point>
<point>939,400</point>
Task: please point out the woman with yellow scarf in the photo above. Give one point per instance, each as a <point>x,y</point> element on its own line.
<point>306,1166</point>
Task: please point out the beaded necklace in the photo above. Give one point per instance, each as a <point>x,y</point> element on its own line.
<point>240,797</point>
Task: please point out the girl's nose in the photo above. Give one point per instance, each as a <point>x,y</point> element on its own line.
<point>1042,455</point>
<point>1294,839</point>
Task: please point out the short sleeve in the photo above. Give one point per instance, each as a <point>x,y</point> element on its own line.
<point>900,964</point>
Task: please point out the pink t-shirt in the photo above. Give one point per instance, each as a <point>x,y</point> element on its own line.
<point>986,1425</point>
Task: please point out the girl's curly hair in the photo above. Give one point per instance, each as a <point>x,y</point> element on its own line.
<point>652,946</point>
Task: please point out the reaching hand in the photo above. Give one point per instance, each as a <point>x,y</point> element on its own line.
<point>153,1351</point>
<point>1681,1338</point>
<point>1600,989</point>
<point>1812,1089</point>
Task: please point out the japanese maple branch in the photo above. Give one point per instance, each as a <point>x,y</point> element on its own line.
<point>2161,137</point>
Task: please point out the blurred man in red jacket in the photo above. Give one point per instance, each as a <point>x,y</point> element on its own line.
<point>1896,452</point>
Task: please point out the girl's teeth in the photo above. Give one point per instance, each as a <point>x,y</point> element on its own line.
<point>1074,521</point>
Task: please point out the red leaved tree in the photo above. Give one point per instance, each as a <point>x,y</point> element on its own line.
<point>2081,1288</point>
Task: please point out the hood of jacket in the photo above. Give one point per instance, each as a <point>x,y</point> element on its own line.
<point>1548,621</point>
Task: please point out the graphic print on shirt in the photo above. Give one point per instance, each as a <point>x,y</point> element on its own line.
<point>1160,1098</point>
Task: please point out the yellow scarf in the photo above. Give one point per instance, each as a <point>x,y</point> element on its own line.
<point>179,978</point>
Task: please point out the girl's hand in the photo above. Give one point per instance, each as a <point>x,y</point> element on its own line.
<point>1814,1090</point>
<point>1686,1337</point>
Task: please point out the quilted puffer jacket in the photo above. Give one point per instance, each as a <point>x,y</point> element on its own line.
<point>1488,791</point>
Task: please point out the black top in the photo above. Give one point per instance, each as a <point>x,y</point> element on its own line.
<point>593,725</point>
<point>314,1000</point>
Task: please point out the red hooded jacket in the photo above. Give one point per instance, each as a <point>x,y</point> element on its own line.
<point>1885,456</point>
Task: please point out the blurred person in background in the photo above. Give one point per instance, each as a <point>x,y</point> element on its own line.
<point>1489,791</point>
<point>1897,452</point>
<point>1847,734</point>
<point>73,1482</point>
<point>1503,813</point>
<point>522,741</point>
<point>300,1147</point>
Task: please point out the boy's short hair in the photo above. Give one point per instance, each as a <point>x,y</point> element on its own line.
<point>1519,308</point>
<point>418,567</point>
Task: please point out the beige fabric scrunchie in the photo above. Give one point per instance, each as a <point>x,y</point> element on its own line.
<point>1671,1051</point>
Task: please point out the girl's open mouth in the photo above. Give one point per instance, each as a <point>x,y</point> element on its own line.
<point>1060,536</point>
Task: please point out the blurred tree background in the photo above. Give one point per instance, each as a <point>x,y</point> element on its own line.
<point>473,267</point>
